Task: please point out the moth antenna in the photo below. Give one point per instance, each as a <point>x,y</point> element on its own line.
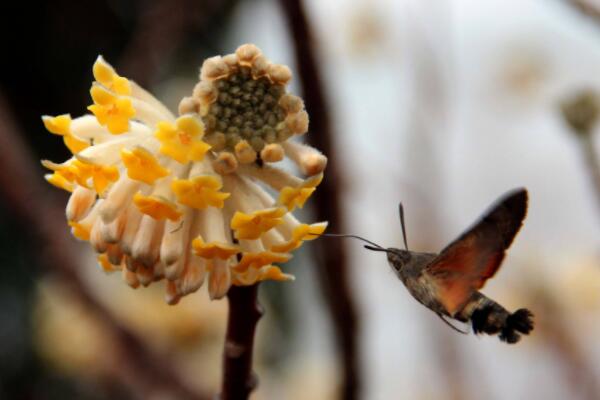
<point>401,212</point>
<point>352,236</point>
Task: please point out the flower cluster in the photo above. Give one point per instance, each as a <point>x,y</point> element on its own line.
<point>185,198</point>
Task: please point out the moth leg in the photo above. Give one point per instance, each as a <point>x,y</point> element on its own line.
<point>450,325</point>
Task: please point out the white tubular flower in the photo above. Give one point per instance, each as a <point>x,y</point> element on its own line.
<point>180,198</point>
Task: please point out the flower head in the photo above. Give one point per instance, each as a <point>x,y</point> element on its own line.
<point>183,198</point>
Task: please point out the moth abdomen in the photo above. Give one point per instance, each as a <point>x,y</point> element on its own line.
<point>491,318</point>
<point>520,321</point>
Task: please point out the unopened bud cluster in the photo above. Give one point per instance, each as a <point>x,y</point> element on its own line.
<point>246,111</point>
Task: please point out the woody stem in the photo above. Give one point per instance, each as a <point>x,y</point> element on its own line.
<point>244,312</point>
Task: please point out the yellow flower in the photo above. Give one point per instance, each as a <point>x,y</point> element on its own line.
<point>80,170</point>
<point>59,181</point>
<point>182,141</point>
<point>106,75</point>
<point>195,203</point>
<point>214,249</point>
<point>269,272</point>
<point>301,233</point>
<point>156,207</point>
<point>274,273</point>
<point>79,230</point>
<point>260,259</point>
<point>101,175</point>
<point>111,110</point>
<point>199,192</point>
<point>256,267</point>
<point>293,197</point>
<point>73,171</point>
<point>61,125</point>
<point>105,264</point>
<point>142,165</point>
<point>251,226</point>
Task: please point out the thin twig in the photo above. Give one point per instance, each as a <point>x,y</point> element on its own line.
<point>333,265</point>
<point>592,163</point>
<point>22,190</point>
<point>581,112</point>
<point>244,312</point>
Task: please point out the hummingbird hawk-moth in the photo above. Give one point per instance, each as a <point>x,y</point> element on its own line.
<point>448,283</point>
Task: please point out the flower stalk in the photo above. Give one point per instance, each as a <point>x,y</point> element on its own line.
<point>244,312</point>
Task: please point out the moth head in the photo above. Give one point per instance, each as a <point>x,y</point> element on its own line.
<point>397,258</point>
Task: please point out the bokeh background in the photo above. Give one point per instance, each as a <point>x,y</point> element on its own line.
<point>444,105</point>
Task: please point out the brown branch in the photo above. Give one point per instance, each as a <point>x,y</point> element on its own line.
<point>29,200</point>
<point>244,312</point>
<point>581,112</point>
<point>587,8</point>
<point>333,265</point>
<point>559,336</point>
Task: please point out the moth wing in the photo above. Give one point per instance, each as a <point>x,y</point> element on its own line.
<point>467,263</point>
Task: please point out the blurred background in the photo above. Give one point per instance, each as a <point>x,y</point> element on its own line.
<point>442,105</point>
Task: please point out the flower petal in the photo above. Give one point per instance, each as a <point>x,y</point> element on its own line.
<point>157,208</point>
<point>214,249</point>
<point>199,192</point>
<point>251,226</point>
<point>142,165</point>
